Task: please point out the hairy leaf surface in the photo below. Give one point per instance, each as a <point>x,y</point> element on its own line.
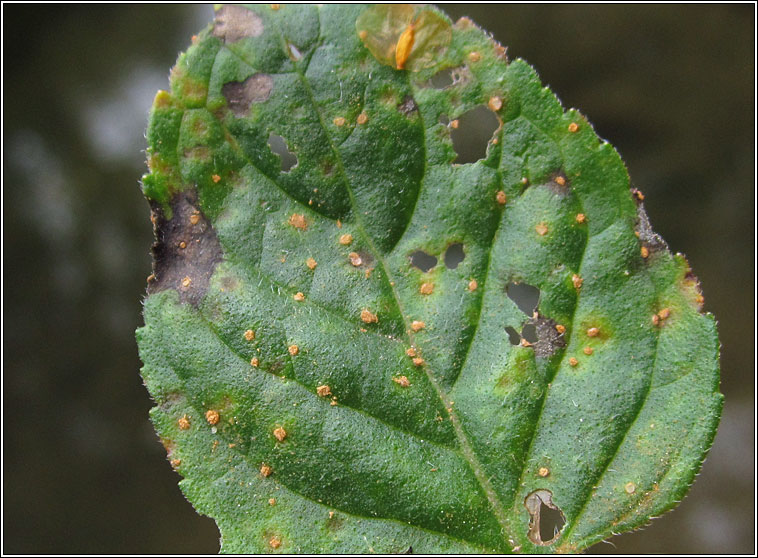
<point>356,342</point>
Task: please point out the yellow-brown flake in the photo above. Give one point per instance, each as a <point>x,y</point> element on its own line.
<point>298,296</point>
<point>426,288</point>
<point>495,103</point>
<point>474,56</point>
<point>560,328</point>
<point>183,423</point>
<point>265,470</point>
<point>573,361</point>
<point>271,502</point>
<point>216,178</point>
<point>581,218</point>
<point>362,118</point>
<point>418,361</point>
<point>368,317</point>
<point>577,281</point>
<point>500,197</point>
<point>573,127</point>
<point>339,121</point>
<point>473,285</point>
<point>417,325</point>
<point>186,282</point>
<point>280,433</point>
<point>323,391</point>
<point>593,332</point>
<point>293,350</point>
<point>298,221</point>
<point>311,263</point>
<point>588,351</point>
<point>249,335</point>
<point>212,416</point>
<point>543,472</point>
<point>355,259</point>
<point>541,229</point>
<point>254,362</point>
<point>402,381</point>
<point>346,239</point>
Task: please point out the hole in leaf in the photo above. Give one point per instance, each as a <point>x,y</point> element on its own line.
<point>442,79</point>
<point>279,146</point>
<point>473,133</point>
<point>423,261</point>
<point>513,335</point>
<point>546,519</point>
<point>525,296</point>
<point>529,332</point>
<point>240,95</point>
<point>454,255</point>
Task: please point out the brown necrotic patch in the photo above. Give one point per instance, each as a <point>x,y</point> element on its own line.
<point>235,22</point>
<point>547,338</point>
<point>240,95</point>
<point>408,106</point>
<point>650,240</point>
<point>546,520</point>
<point>186,250</point>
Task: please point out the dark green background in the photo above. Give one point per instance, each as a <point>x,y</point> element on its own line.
<point>670,86</point>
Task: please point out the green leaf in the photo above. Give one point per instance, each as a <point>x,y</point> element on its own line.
<point>330,375</point>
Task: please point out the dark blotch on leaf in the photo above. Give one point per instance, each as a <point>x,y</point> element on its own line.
<point>240,95</point>
<point>407,106</point>
<point>546,520</point>
<point>423,261</point>
<point>547,339</point>
<point>186,250</point>
<point>473,133</point>
<point>454,255</point>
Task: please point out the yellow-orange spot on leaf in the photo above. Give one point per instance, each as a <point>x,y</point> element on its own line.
<point>346,239</point>
<point>182,245</point>
<point>644,252</point>
<point>638,195</point>
<point>265,470</point>
<point>474,56</point>
<point>573,127</point>
<point>175,463</point>
<point>541,229</point>
<point>573,361</point>
<point>454,124</point>
<point>473,285</point>
<point>629,488</point>
<point>560,328</point>
<point>339,121</point>
<point>249,335</point>
<point>333,402</point>
<point>362,118</point>
<point>254,362</point>
<point>186,282</point>
<point>501,198</point>
<point>362,34</point>
<point>368,317</point>
<point>402,381</point>
<point>324,391</point>
<point>577,281</point>
<point>212,417</point>
<point>311,263</point>
<point>339,224</point>
<point>293,349</point>
<point>280,433</point>
<point>331,514</point>
<point>183,423</point>
<point>581,218</point>
<point>216,178</point>
<point>417,325</point>
<point>418,361</point>
<point>656,319</point>
<point>543,472</point>
<point>275,542</point>
<point>194,219</point>
<point>495,103</point>
<point>525,343</point>
<point>299,297</point>
<point>588,351</point>
<point>297,220</point>
<point>593,332</point>
<point>411,351</point>
<point>664,313</point>
<point>271,501</point>
<point>404,46</point>
<point>560,181</point>
<point>426,288</point>
<point>274,7</point>
<point>355,259</point>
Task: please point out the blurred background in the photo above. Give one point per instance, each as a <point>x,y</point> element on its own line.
<point>671,87</point>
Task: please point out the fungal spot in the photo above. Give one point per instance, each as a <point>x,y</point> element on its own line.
<point>280,434</point>
<point>254,362</point>
<point>581,218</point>
<point>588,351</point>
<point>278,146</point>
<point>629,488</point>
<point>495,103</point>
<point>249,335</point>
<point>362,118</point>
<point>525,296</point>
<point>311,263</point>
<point>346,239</point>
<point>547,339</point>
<point>593,332</point>
<point>271,502</point>
<point>664,313</point>
<point>560,328</point>
<point>212,417</point>
<point>474,56</point>
<point>402,381</point>
<point>543,472</point>
<point>368,317</point>
<point>454,124</point>
<point>216,178</point>
<point>546,520</point>
<point>560,180</point>
<point>573,127</point>
<point>426,288</point>
<point>407,106</point>
<point>573,361</point>
<point>525,343</point>
<point>175,463</point>
<point>644,252</point>
<point>240,95</point>
<point>235,22</point>
<point>323,391</point>
<point>656,320</point>
<point>454,255</point>
<point>577,281</point>
<point>474,131</point>
<point>423,261</point>
<point>473,285</point>
<point>411,352</point>
<point>513,336</point>
<point>275,542</point>
<point>541,229</point>
<point>418,361</point>
<point>183,423</point>
<point>274,7</point>
<point>637,195</point>
<point>299,297</point>
<point>265,470</point>
<point>500,197</point>
<point>339,121</point>
<point>293,350</point>
<point>297,220</point>
<point>173,265</point>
